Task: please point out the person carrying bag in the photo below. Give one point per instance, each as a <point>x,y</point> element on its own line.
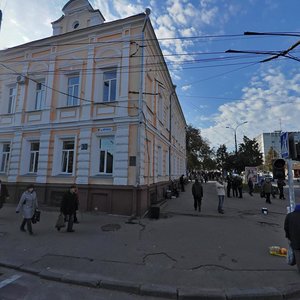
<point>60,223</point>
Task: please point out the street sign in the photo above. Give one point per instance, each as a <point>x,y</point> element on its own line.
<point>284,140</point>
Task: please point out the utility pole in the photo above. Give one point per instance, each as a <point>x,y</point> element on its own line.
<point>234,129</point>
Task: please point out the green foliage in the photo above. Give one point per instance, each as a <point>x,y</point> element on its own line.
<point>272,154</point>
<point>248,155</point>
<point>198,150</point>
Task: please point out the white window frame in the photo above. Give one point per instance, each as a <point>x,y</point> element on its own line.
<point>5,157</point>
<point>67,151</point>
<point>40,92</point>
<point>33,158</point>
<point>106,153</point>
<point>109,81</point>
<point>73,97</point>
<point>12,99</point>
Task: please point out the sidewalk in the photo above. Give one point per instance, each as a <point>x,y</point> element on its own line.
<point>183,255</point>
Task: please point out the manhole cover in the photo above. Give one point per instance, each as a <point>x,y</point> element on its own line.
<point>2,233</point>
<point>111,227</point>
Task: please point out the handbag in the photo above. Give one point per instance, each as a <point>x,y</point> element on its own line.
<point>262,194</point>
<point>290,258</point>
<point>36,216</point>
<point>60,222</point>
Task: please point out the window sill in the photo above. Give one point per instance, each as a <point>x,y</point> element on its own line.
<point>70,106</point>
<point>29,175</point>
<point>7,114</point>
<point>34,110</point>
<point>102,176</point>
<point>63,175</point>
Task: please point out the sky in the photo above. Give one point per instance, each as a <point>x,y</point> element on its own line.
<point>216,89</point>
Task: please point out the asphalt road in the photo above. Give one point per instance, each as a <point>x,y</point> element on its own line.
<point>15,285</point>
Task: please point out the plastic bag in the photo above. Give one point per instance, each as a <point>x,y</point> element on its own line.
<point>60,222</point>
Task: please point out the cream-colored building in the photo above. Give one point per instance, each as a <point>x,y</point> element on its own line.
<point>92,105</point>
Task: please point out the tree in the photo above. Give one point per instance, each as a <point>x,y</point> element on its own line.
<point>248,154</point>
<point>197,148</point>
<point>272,154</point>
<point>222,157</point>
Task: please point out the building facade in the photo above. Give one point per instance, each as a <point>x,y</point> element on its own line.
<point>266,141</point>
<point>92,105</point>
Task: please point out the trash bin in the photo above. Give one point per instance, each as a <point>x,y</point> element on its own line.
<point>154,212</point>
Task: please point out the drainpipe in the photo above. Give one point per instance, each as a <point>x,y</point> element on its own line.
<point>170,132</point>
<point>140,106</point>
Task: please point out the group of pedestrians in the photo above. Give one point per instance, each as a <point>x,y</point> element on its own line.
<point>28,205</point>
<point>292,220</point>
<point>234,184</point>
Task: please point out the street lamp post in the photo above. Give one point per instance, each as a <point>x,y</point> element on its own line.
<point>234,129</point>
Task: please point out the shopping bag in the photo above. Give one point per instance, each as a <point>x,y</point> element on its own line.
<point>36,216</point>
<point>290,258</point>
<point>60,222</point>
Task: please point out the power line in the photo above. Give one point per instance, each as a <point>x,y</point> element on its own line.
<point>157,67</point>
<point>66,94</point>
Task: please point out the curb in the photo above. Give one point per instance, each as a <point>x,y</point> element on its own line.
<point>292,291</point>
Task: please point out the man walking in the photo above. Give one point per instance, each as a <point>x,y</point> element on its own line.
<point>3,193</point>
<point>267,189</point>
<point>292,232</point>
<point>181,181</point>
<point>280,185</point>
<point>251,186</point>
<point>197,191</point>
<point>68,206</point>
<point>229,184</point>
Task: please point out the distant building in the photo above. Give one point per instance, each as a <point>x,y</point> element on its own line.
<point>267,140</point>
<point>92,105</point>
<point>272,139</point>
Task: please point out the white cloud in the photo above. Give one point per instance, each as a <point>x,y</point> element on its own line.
<point>275,101</point>
<point>186,87</point>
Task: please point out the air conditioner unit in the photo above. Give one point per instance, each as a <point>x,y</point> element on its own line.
<point>21,79</point>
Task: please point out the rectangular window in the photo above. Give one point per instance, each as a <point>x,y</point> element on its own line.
<point>160,104</point>
<point>159,161</point>
<point>109,85</point>
<point>5,157</point>
<point>106,155</point>
<point>12,100</point>
<point>67,161</point>
<point>73,91</point>
<point>39,95</point>
<point>34,157</point>
<point>167,163</point>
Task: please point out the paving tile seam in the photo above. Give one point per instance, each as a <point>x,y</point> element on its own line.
<point>155,290</point>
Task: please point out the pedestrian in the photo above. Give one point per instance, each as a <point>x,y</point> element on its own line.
<point>28,204</point>
<point>220,185</point>
<point>68,206</point>
<point>292,232</point>
<point>280,185</point>
<point>235,186</point>
<point>267,190</point>
<point>77,207</point>
<point>251,186</point>
<point>3,193</point>
<point>181,181</point>
<point>197,191</point>
<point>229,184</point>
<point>240,186</point>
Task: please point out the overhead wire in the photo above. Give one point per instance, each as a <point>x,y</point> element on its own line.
<point>67,94</point>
